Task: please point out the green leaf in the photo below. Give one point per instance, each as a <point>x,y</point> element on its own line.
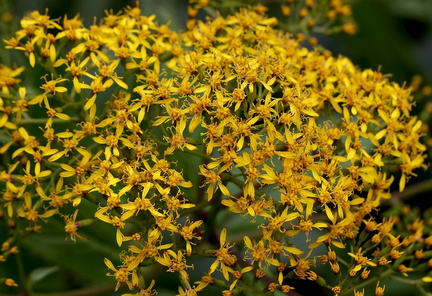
<point>40,273</point>
<point>84,260</point>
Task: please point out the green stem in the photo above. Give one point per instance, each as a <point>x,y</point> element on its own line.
<point>44,120</point>
<point>236,181</point>
<point>21,273</point>
<point>405,280</point>
<point>192,152</point>
<point>4,95</point>
<point>197,153</point>
<point>422,290</point>
<point>194,209</point>
<point>412,190</point>
<point>238,290</point>
<point>367,282</point>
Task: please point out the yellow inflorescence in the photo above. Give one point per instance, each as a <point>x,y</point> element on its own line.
<point>303,144</point>
<point>295,16</point>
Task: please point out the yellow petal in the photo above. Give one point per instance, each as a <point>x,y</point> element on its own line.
<point>119,237</point>
<point>56,156</point>
<point>44,174</point>
<point>63,116</point>
<point>109,264</point>
<point>48,213</point>
<point>90,103</point>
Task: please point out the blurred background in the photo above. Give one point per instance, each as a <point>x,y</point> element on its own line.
<point>393,36</point>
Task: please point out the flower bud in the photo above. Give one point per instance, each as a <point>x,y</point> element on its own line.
<point>335,268</point>
<point>365,274</point>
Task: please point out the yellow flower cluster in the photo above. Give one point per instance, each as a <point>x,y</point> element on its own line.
<point>163,131</point>
<point>295,16</point>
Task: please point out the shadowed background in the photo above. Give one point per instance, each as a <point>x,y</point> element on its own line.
<point>393,37</point>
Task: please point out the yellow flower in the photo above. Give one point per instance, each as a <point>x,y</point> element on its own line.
<point>77,192</point>
<point>360,259</point>
<point>72,227</point>
<point>276,223</point>
<point>10,283</point>
<point>379,291</point>
<point>187,232</point>
<point>77,71</point>
<point>259,253</point>
<point>149,249</point>
<point>112,143</point>
<point>214,182</point>
<point>107,72</point>
<point>116,221</point>
<point>8,77</point>
<point>178,141</point>
<point>70,142</point>
<point>299,140</point>
<point>80,169</point>
<point>144,292</point>
<point>174,261</point>
<point>31,212</point>
<point>225,260</point>
<point>122,275</point>
<point>29,179</point>
<point>97,86</point>
<point>50,87</point>
<point>141,204</point>
<point>404,269</point>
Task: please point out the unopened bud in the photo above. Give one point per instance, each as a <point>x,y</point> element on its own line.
<point>335,268</point>
<point>365,274</point>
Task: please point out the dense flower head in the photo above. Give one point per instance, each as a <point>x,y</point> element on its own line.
<point>297,141</point>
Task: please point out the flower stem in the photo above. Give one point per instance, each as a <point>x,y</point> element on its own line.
<point>44,120</point>
<point>411,191</point>
<point>21,273</point>
<point>366,283</point>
